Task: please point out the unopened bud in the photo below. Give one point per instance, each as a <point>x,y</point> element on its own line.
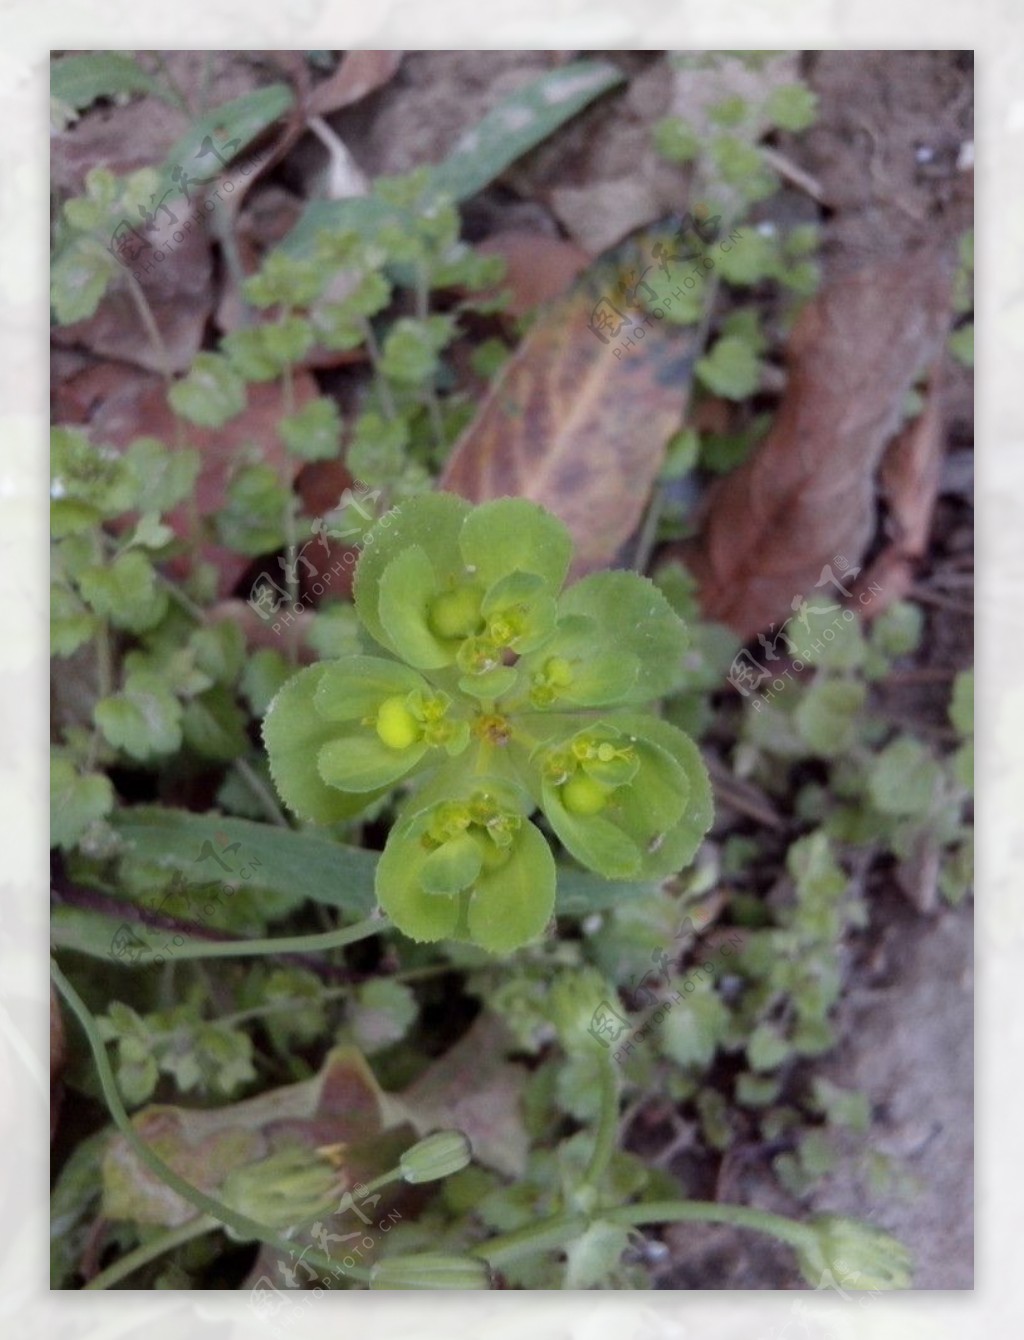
<point>430,1270</point>
<point>437,1156</point>
<point>292,1186</point>
<point>854,1254</point>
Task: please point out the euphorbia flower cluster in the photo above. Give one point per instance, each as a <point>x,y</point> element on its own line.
<point>493,693</point>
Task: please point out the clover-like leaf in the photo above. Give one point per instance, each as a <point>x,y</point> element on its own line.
<point>144,719</point>
<point>212,393</point>
<point>76,801</point>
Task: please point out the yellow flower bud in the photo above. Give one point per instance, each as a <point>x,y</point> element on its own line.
<point>396,725</point>
<point>456,613</point>
<point>582,795</point>
<point>558,672</point>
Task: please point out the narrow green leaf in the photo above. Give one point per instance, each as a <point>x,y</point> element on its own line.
<point>520,122</point>
<point>80,79</point>
<point>299,865</point>
<point>516,125</point>
<point>231,128</point>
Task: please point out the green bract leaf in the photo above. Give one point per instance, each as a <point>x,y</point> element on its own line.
<point>408,588</point>
<point>366,764</point>
<point>445,584</point>
<point>514,535</point>
<point>294,733</point>
<point>633,622</point>
<point>629,797</point>
<point>471,869</point>
<point>574,670</point>
<point>378,720</point>
<point>432,521</point>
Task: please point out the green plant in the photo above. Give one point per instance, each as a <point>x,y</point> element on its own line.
<point>493,723</point>
<point>499,695</point>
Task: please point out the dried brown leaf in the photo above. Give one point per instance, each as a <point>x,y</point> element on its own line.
<point>537,268</point>
<point>180,297</point>
<point>342,1104</point>
<point>807,493</point>
<point>578,424</point>
<point>473,1089</point>
<point>360,73</point>
<point>909,482</point>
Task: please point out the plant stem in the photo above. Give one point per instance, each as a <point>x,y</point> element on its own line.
<point>710,1212</point>
<point>285,944</point>
<point>244,1228</point>
<point>276,1006</point>
<point>422,312</point>
<point>291,575</point>
<point>608,1124</point>
<point>262,793</point>
<point>185,601</point>
<point>175,89</point>
<point>549,1234</point>
<point>149,1251</point>
<point>149,322</point>
<point>387,400</point>
<point>649,534</point>
<point>561,1229</point>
